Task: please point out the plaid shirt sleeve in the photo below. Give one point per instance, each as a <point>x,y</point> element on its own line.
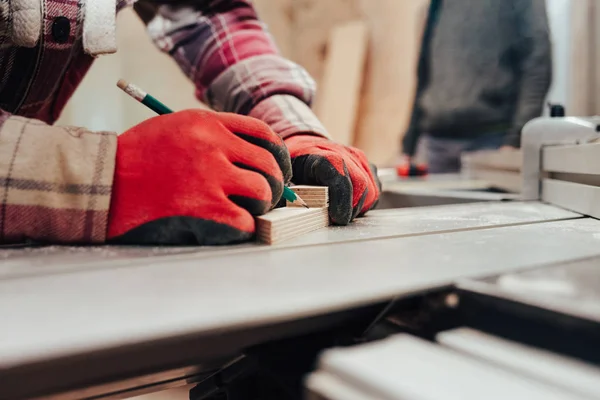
<point>55,182</point>
<point>227,52</point>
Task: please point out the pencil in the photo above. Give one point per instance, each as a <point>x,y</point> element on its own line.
<point>143,97</point>
<point>159,108</point>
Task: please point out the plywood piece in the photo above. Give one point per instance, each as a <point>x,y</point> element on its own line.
<point>313,196</point>
<point>289,222</point>
<point>293,221</point>
<point>342,80</point>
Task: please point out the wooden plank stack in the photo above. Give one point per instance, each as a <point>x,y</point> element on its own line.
<point>292,221</point>
<point>500,168</point>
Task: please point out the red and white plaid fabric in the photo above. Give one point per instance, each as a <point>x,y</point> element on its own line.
<point>220,44</point>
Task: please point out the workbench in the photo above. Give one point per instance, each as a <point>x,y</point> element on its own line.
<point>77,317</point>
<point>118,321</point>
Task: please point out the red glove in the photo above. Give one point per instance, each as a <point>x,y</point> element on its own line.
<point>353,184</point>
<point>195,177</point>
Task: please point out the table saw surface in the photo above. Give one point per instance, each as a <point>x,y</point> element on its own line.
<point>379,224</point>
<point>57,303</point>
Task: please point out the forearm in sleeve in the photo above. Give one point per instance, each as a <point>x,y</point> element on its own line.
<point>55,182</point>
<point>227,51</point>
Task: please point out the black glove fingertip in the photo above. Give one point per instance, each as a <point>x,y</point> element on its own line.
<point>253,206</point>
<point>356,211</point>
<point>317,170</point>
<point>275,184</point>
<point>340,193</point>
<point>182,231</point>
<point>280,152</point>
<point>375,176</point>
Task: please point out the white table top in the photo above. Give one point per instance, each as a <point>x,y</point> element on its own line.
<point>77,301</point>
<point>23,263</point>
<point>57,315</point>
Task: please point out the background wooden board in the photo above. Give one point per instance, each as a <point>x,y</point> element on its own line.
<point>312,24</point>
<point>342,80</point>
<point>582,80</point>
<point>395,29</point>
<point>390,79</point>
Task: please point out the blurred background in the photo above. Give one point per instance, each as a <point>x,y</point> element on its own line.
<point>388,44</point>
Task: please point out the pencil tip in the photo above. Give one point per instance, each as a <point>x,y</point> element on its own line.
<point>301,202</point>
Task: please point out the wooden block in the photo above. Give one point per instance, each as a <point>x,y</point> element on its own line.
<point>510,160</point>
<point>292,221</point>
<point>289,222</point>
<point>313,196</point>
<point>342,80</point>
<point>510,181</point>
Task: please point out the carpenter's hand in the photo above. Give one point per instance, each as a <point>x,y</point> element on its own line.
<point>195,177</point>
<point>353,185</point>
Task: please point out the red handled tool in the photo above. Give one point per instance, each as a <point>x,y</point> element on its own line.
<point>406,170</point>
